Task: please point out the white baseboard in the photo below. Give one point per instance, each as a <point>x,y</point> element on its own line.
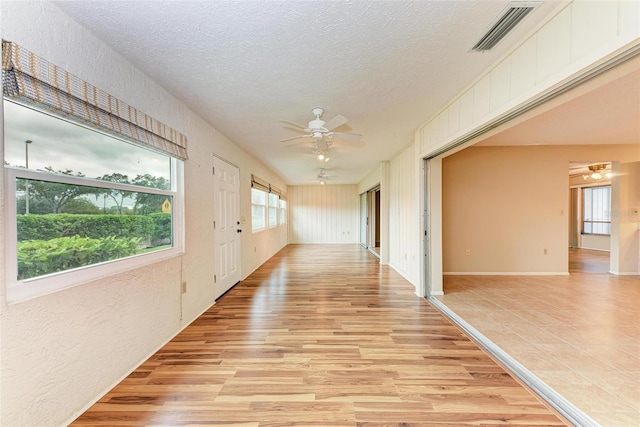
<point>506,273</point>
<point>595,249</point>
<point>397,270</point>
<point>625,273</point>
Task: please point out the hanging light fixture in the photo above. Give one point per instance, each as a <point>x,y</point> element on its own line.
<point>322,155</point>
<point>597,172</point>
<point>322,177</point>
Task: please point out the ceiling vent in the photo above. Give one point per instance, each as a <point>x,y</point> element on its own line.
<point>514,13</point>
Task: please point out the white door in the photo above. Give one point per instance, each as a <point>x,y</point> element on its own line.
<point>226,187</point>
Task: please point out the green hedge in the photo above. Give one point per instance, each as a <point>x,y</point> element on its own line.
<point>162,222</point>
<point>40,257</point>
<point>52,226</point>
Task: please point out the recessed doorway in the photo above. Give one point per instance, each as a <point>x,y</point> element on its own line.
<point>370,220</point>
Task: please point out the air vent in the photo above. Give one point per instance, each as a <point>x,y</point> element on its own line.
<point>505,23</point>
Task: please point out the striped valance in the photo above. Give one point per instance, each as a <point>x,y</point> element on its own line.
<point>263,185</point>
<point>33,80</point>
<point>276,190</point>
<point>260,183</point>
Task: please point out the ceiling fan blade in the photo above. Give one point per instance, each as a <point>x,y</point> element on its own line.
<point>294,137</point>
<point>347,137</point>
<point>300,139</point>
<point>296,125</point>
<point>335,122</point>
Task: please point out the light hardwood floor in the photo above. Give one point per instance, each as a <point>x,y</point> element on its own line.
<point>320,335</point>
<point>579,334</point>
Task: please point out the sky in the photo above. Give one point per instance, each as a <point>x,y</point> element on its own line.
<point>64,145</point>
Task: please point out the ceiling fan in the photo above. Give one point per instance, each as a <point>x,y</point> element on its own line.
<point>322,176</point>
<point>598,171</point>
<point>319,130</point>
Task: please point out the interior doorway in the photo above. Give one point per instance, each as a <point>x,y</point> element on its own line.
<point>370,220</point>
<point>590,207</point>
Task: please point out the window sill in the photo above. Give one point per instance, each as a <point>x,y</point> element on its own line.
<point>33,288</point>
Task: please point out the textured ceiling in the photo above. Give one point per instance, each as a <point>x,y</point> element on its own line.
<point>387,66</point>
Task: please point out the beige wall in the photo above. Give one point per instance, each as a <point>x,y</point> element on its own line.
<point>625,200</point>
<point>506,205</point>
<point>323,214</point>
<point>368,182</point>
<point>62,351</point>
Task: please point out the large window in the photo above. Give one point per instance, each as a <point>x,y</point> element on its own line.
<point>82,204</point>
<point>596,215</point>
<point>258,209</point>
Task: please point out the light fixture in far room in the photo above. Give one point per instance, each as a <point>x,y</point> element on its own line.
<point>597,172</point>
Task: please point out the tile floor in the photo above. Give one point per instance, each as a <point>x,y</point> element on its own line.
<point>580,334</point>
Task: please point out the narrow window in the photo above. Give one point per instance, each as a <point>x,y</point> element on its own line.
<point>283,212</point>
<point>273,210</point>
<point>596,215</point>
<point>258,209</point>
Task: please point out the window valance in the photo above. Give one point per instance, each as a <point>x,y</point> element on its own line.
<point>33,80</point>
<point>263,185</point>
<point>260,184</point>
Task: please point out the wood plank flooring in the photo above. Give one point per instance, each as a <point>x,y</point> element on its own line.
<point>320,335</point>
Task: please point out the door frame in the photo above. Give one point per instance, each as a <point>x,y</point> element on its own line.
<point>373,215</point>
<point>237,226</point>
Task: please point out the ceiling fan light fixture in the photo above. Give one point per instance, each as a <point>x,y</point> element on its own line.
<point>597,172</point>
<point>321,156</point>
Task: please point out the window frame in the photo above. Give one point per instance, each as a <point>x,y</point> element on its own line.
<point>264,210</point>
<point>282,212</point>
<point>22,290</point>
<point>276,207</point>
<point>583,220</point>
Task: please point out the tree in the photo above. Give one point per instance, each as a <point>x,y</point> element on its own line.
<point>146,203</point>
<point>118,196</point>
<point>56,194</point>
<point>37,205</point>
<point>81,206</point>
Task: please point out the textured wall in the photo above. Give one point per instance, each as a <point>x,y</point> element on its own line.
<point>62,351</point>
<point>324,214</point>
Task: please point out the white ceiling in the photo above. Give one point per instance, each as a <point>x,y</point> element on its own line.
<point>387,66</point>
